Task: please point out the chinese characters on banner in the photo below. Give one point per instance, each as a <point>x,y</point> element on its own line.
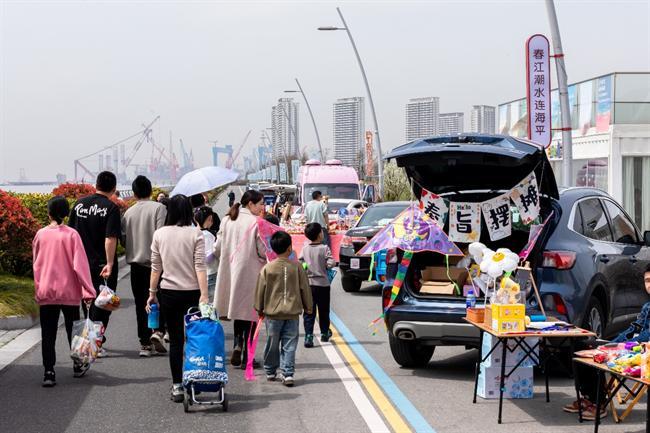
<point>496,213</point>
<point>464,222</point>
<point>434,206</point>
<point>526,196</point>
<point>538,73</point>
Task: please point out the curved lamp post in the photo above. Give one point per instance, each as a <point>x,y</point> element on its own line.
<point>313,121</point>
<point>380,168</point>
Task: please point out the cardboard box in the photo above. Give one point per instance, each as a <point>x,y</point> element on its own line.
<point>436,281</point>
<point>520,384</point>
<point>508,311</point>
<point>438,288</point>
<point>514,353</point>
<point>508,325</point>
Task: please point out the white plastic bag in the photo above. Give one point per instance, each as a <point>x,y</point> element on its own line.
<point>107,299</point>
<point>86,340</point>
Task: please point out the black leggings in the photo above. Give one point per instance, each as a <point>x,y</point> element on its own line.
<point>242,329</point>
<point>174,305</point>
<point>49,326</point>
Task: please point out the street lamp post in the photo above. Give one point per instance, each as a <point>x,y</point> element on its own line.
<point>313,121</point>
<point>380,168</point>
<point>567,144</point>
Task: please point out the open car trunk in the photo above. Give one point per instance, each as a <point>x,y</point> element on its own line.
<point>474,168</point>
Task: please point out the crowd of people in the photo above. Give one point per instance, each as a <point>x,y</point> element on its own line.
<point>181,255</point>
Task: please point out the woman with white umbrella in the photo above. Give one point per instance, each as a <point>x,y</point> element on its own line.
<point>242,255</point>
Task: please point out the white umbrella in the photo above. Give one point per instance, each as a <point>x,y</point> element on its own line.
<point>204,179</point>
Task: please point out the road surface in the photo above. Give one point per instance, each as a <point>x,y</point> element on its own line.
<point>340,387</point>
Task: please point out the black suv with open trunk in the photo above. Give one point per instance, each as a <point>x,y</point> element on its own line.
<point>588,261</point>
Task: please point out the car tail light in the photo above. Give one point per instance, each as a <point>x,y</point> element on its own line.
<point>559,259</point>
<point>560,307</point>
<point>348,241</point>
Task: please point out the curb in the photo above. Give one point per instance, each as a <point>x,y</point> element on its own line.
<point>12,323</point>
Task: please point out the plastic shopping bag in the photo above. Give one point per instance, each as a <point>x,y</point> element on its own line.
<point>107,299</point>
<point>86,340</point>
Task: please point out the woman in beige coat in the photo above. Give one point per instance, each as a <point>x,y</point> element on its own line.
<point>241,255</point>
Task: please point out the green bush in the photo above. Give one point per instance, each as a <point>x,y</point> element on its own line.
<point>396,184</point>
<point>37,205</point>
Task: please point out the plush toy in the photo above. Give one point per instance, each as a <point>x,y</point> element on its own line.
<point>493,263</point>
<point>508,292</point>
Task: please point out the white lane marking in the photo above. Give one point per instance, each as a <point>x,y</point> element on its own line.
<point>364,406</point>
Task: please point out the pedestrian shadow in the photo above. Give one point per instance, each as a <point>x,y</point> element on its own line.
<point>241,403</point>
<point>27,406</point>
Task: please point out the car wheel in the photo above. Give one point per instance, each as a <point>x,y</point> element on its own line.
<point>350,283</point>
<point>594,318</point>
<point>409,353</point>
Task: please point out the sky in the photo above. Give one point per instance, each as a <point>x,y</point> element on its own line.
<point>76,76</point>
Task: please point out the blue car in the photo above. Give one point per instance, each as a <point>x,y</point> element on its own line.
<point>588,262</point>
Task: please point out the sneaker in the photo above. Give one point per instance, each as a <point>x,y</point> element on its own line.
<point>78,370</point>
<point>309,341</point>
<point>590,413</point>
<point>325,337</point>
<point>145,352</point>
<point>177,393</point>
<point>272,377</point>
<point>235,358</point>
<point>166,337</point>
<point>102,353</point>
<point>157,342</point>
<point>573,407</point>
<point>287,381</point>
<point>49,379</point>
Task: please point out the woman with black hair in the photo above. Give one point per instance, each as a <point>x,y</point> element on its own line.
<point>178,253</point>
<point>241,255</point>
<point>204,217</point>
<point>61,280</point>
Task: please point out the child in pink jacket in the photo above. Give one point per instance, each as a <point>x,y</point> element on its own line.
<point>62,280</point>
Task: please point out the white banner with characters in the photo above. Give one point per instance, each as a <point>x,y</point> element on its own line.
<point>464,222</point>
<point>496,213</point>
<point>525,195</point>
<point>434,206</point>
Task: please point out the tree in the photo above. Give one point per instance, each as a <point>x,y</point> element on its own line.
<point>396,184</point>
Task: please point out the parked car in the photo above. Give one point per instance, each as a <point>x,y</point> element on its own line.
<point>356,269</point>
<point>588,262</point>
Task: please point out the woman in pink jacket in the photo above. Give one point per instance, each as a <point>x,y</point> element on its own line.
<point>62,280</point>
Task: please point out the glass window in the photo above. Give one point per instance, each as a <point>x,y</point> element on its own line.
<point>577,221</point>
<point>594,221</point>
<point>632,88</point>
<point>632,112</point>
<point>333,190</point>
<point>590,172</point>
<point>622,228</point>
<point>377,216</point>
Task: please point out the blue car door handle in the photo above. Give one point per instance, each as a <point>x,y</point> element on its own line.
<point>604,259</point>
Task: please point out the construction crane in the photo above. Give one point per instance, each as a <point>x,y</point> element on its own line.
<point>188,162</point>
<point>231,161</point>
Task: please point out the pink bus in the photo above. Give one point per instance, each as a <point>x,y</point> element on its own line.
<point>332,179</point>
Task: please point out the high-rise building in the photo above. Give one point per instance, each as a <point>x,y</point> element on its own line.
<point>284,126</point>
<point>349,130</point>
<point>451,123</point>
<point>422,117</point>
<point>483,119</point>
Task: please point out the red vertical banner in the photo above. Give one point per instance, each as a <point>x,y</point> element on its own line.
<point>538,85</point>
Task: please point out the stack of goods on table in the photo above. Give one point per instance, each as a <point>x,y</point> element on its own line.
<point>631,358</point>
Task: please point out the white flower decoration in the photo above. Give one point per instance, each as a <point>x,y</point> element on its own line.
<point>476,250</point>
<point>496,263</point>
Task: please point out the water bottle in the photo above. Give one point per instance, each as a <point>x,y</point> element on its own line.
<point>154,316</point>
<point>470,300</point>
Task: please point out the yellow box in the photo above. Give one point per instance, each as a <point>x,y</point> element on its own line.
<point>503,312</point>
<point>508,325</point>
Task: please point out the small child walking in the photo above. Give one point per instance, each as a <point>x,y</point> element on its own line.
<point>282,293</point>
<point>318,258</point>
